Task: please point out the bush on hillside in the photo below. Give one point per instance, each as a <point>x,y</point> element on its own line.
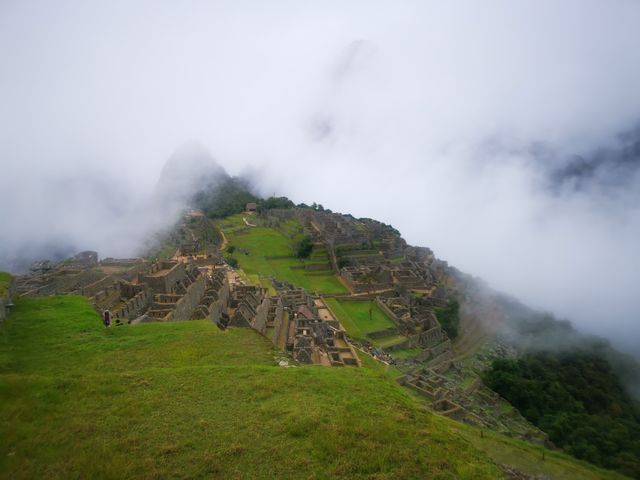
<point>578,400</point>
<point>304,247</point>
<point>449,318</point>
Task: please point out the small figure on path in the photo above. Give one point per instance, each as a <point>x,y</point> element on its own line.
<point>106,318</point>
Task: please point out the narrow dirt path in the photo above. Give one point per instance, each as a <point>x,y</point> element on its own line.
<point>247,222</point>
<point>224,241</point>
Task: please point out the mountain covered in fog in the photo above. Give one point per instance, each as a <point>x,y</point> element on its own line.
<point>571,390</point>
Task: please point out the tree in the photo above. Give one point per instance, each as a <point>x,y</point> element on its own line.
<point>274,202</point>
<point>304,247</point>
<point>227,198</point>
<point>577,398</point>
<point>449,318</point>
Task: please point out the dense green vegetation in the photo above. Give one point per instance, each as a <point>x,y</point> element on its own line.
<point>204,230</point>
<point>274,202</point>
<point>5,279</point>
<point>228,198</point>
<point>304,247</point>
<point>231,196</point>
<point>449,318</point>
<point>187,400</point>
<point>578,400</point>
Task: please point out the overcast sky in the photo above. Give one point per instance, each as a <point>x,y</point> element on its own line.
<point>500,134</point>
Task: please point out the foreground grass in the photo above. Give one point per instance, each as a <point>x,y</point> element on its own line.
<point>5,279</point>
<point>185,400</point>
<point>532,459</point>
<point>354,316</point>
<point>63,335</point>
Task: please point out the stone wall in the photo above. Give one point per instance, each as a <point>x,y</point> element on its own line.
<point>135,305</point>
<point>140,268</point>
<point>188,303</point>
<point>108,298</point>
<point>387,332</point>
<point>279,315</point>
<point>432,337</point>
<point>120,262</point>
<point>440,348</point>
<point>260,320</point>
<point>66,281</point>
<point>93,288</point>
<point>165,283</point>
<point>279,323</point>
<point>217,308</point>
<point>388,312</point>
<point>220,305</point>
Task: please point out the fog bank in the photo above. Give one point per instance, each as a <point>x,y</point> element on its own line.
<point>502,135</point>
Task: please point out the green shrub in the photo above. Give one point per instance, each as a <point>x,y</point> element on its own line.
<point>304,247</point>
<point>449,318</point>
<point>578,400</point>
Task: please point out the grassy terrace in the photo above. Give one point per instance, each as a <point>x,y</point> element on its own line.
<point>406,353</point>
<point>186,400</point>
<point>354,315</point>
<point>256,247</point>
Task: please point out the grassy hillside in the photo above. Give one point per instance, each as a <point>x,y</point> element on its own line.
<point>5,279</point>
<point>186,400</point>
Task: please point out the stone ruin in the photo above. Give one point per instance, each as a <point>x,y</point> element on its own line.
<point>310,331</point>
<point>432,385</point>
<point>375,262</point>
<point>366,278</point>
<point>293,320</point>
<point>140,291</point>
<point>415,318</point>
<point>133,290</point>
<point>368,255</point>
<point>194,237</point>
<point>88,257</point>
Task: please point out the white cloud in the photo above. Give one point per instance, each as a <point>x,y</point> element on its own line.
<point>422,114</point>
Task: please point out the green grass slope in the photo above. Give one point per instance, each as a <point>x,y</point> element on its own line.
<point>5,279</point>
<point>354,317</point>
<point>186,400</point>
<point>256,248</point>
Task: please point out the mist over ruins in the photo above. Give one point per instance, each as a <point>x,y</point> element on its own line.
<point>276,240</point>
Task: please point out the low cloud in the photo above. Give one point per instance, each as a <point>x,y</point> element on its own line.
<point>502,135</point>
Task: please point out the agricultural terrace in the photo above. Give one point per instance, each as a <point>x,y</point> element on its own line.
<point>264,252</point>
<point>354,317</point>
